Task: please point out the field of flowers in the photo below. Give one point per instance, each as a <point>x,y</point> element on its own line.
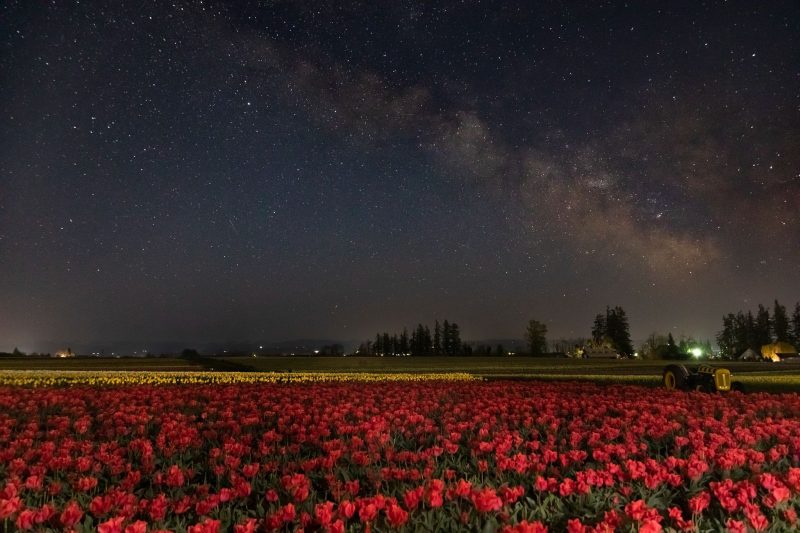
<point>423,455</point>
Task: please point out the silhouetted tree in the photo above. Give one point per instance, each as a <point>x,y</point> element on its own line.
<point>726,339</point>
<point>428,341</point>
<point>762,332</point>
<point>599,328</point>
<point>619,330</point>
<point>671,350</point>
<point>437,338</point>
<point>455,339</point>
<point>796,325</point>
<point>536,335</point>
<point>446,338</point>
<point>780,323</point>
<point>403,344</point>
<point>377,346</point>
<point>332,349</point>
<point>750,332</point>
<point>614,328</point>
<point>386,342</point>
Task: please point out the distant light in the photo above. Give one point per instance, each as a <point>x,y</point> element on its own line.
<point>697,352</point>
<point>316,352</point>
<point>260,347</point>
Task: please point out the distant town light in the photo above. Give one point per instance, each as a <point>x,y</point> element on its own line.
<point>697,352</point>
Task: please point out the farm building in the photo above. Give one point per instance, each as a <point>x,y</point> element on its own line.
<point>778,351</point>
<point>750,355</point>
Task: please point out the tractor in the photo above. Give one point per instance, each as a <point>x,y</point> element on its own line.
<point>703,378</point>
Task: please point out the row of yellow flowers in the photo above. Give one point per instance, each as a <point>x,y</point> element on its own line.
<point>49,378</point>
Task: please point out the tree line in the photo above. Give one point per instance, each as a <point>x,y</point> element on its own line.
<point>445,340</point>
<point>741,331</point>
<point>610,329</point>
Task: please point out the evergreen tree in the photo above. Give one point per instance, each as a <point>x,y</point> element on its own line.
<point>780,323</point>
<point>501,350</point>
<point>536,334</point>
<point>796,325</point>
<point>623,333</point>
<point>427,346</point>
<point>416,344</point>
<point>446,339</point>
<point>599,327</point>
<point>672,351</point>
<point>387,344</point>
<point>741,333</point>
<point>403,344</point>
<point>614,327</point>
<point>726,339</point>
<point>437,338</point>
<point>750,331</point>
<point>455,339</point>
<point>762,332</point>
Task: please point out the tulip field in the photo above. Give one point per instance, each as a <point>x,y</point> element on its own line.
<point>410,453</point>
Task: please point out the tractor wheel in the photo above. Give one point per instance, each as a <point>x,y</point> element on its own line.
<point>705,387</point>
<point>676,377</point>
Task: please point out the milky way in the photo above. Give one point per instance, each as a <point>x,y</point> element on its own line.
<point>275,170</point>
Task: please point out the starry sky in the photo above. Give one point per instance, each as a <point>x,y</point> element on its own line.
<point>288,169</point>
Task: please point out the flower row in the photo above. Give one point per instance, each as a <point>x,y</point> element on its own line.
<point>50,378</point>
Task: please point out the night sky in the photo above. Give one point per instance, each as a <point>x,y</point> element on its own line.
<point>213,171</point>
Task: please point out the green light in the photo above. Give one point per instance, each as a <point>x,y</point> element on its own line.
<point>697,352</point>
